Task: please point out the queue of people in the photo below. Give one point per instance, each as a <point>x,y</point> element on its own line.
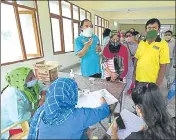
<point>51,111</point>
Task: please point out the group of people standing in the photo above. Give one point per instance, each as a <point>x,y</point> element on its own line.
<point>124,56</point>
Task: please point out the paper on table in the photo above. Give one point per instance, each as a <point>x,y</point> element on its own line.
<point>92,100</point>
<point>132,122</point>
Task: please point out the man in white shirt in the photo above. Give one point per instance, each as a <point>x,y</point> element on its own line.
<point>172,48</point>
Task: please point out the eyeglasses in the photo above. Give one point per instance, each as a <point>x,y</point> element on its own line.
<point>128,35</point>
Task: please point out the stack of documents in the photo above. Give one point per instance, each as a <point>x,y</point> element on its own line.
<point>92,99</point>
<point>132,123</point>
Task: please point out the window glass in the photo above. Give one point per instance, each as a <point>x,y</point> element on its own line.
<point>82,14</point>
<point>29,3</point>
<point>76,33</point>
<point>96,22</point>
<point>54,7</point>
<point>75,12</point>
<point>66,9</point>
<point>96,30</point>
<point>27,27</point>
<point>99,21</point>
<point>10,42</point>
<point>68,40</point>
<point>56,34</point>
<point>99,34</point>
<point>88,16</point>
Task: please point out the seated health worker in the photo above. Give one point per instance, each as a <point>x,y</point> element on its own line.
<point>150,106</point>
<point>87,47</point>
<point>20,98</point>
<point>58,118</point>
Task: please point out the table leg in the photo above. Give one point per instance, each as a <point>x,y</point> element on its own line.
<point>103,126</point>
<point>121,98</point>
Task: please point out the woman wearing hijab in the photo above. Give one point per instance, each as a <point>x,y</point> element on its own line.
<point>20,98</point>
<point>58,118</point>
<point>150,106</point>
<point>115,59</point>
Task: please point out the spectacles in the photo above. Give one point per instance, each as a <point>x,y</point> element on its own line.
<point>128,35</point>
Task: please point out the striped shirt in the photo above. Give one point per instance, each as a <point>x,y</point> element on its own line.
<point>110,65</point>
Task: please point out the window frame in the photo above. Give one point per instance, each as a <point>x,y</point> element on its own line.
<point>96,17</point>
<point>36,27</point>
<point>60,18</point>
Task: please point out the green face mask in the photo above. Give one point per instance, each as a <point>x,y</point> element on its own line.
<point>152,34</point>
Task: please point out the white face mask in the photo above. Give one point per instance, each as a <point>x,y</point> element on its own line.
<point>31,83</point>
<point>87,32</point>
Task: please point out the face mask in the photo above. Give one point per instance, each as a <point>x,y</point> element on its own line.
<point>152,34</point>
<point>129,39</point>
<point>167,38</point>
<point>31,83</point>
<point>114,47</point>
<point>87,32</point>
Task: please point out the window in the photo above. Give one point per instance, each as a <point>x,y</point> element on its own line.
<point>100,25</point>
<point>82,14</point>
<point>20,32</point>
<point>75,12</point>
<point>66,9</point>
<point>89,16</point>
<point>68,36</point>
<point>65,22</point>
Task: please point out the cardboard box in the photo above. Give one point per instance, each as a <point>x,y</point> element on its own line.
<point>46,71</point>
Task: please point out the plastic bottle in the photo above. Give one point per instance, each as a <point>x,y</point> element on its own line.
<point>171,92</point>
<point>72,74</point>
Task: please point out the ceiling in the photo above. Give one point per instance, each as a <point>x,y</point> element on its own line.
<point>131,12</point>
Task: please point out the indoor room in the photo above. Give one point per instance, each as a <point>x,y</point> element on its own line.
<point>87,69</point>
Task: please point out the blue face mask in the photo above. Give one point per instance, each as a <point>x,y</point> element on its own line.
<point>31,83</point>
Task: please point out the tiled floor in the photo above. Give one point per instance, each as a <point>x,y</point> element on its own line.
<point>128,103</point>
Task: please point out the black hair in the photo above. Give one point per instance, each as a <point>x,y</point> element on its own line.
<point>82,22</point>
<point>135,33</point>
<point>168,32</point>
<point>129,32</point>
<point>131,28</point>
<point>152,21</point>
<point>150,100</point>
<point>106,32</point>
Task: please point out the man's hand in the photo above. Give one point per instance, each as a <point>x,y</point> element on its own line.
<point>98,49</point>
<point>89,43</point>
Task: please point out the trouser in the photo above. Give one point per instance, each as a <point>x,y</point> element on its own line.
<point>97,75</point>
<point>129,77</point>
<point>168,70</point>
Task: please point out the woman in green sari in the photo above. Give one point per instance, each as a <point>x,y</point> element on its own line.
<point>21,97</point>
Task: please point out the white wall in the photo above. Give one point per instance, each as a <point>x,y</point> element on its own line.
<point>63,59</point>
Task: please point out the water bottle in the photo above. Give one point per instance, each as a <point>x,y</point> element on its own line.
<point>72,74</point>
<point>171,92</point>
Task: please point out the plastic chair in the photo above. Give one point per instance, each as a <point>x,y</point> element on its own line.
<point>24,133</point>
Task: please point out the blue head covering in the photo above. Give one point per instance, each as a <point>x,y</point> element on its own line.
<point>62,96</point>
